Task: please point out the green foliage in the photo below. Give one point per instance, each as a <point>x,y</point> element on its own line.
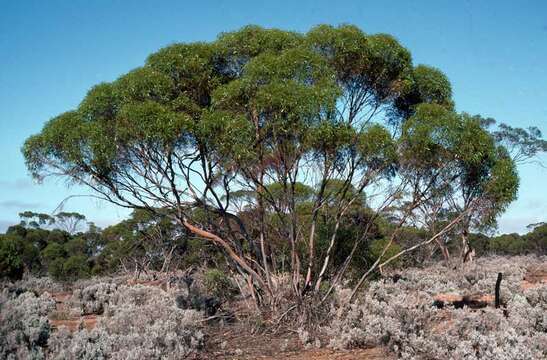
<point>144,240</point>
<point>522,144</point>
<point>432,86</point>
<point>335,190</point>
<point>331,141</point>
<point>56,269</point>
<point>61,255</point>
<point>426,85</point>
<point>351,230</point>
<point>35,220</point>
<point>276,191</point>
<point>251,41</point>
<point>503,183</point>
<point>76,246</point>
<point>58,236</point>
<point>405,238</point>
<point>219,284</point>
<point>53,252</point>
<point>228,136</point>
<point>142,85</point>
<point>457,153</point>
<point>37,237</point>
<point>76,267</point>
<point>377,63</point>
<point>534,242</point>
<point>377,247</point>
<point>191,68</point>
<point>290,89</point>
<point>510,244</point>
<point>377,149</point>
<point>486,170</point>
<point>150,122</point>
<point>480,243</point>
<point>11,263</point>
<point>537,238</point>
<point>429,138</point>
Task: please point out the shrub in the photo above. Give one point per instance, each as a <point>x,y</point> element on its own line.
<point>511,244</point>
<point>11,263</point>
<point>52,252</point>
<point>218,284</point>
<point>95,298</point>
<point>24,327</point>
<point>54,258</point>
<point>401,316</point>
<point>39,285</point>
<point>76,246</point>
<point>139,295</point>
<point>140,322</point>
<point>76,267</point>
<point>56,269</point>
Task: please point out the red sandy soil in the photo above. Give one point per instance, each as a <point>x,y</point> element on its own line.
<point>535,276</point>
<point>73,323</point>
<point>87,321</point>
<point>238,342</point>
<point>324,354</point>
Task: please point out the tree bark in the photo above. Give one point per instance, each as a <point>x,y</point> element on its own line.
<point>233,255</point>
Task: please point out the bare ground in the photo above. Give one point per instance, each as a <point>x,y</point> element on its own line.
<point>239,342</point>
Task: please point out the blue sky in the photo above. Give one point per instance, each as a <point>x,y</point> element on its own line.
<point>52,52</point>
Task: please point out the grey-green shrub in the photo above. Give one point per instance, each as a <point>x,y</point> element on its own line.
<point>139,322</point>
<point>24,327</point>
<point>402,316</point>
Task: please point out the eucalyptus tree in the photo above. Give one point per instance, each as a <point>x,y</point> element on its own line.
<point>35,220</point>
<point>70,222</point>
<point>523,145</point>
<point>261,113</point>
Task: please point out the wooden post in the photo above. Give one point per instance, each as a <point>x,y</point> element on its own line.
<point>497,293</point>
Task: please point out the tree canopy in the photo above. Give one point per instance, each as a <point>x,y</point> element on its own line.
<point>268,114</point>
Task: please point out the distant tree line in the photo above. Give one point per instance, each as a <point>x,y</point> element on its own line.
<point>534,242</point>
<point>42,245</point>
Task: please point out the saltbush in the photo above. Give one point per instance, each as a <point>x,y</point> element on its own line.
<point>401,314</point>
<point>24,327</point>
<point>139,322</point>
<point>95,298</point>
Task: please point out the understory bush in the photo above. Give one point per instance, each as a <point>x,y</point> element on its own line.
<point>40,284</point>
<point>401,314</point>
<point>24,327</point>
<point>218,284</point>
<point>146,321</point>
<point>133,322</point>
<point>94,298</point>
<point>138,322</point>
<point>153,331</point>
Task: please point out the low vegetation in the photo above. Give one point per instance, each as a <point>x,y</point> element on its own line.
<point>116,318</point>
<point>402,315</point>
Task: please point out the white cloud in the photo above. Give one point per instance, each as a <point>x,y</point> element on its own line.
<point>16,204</point>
